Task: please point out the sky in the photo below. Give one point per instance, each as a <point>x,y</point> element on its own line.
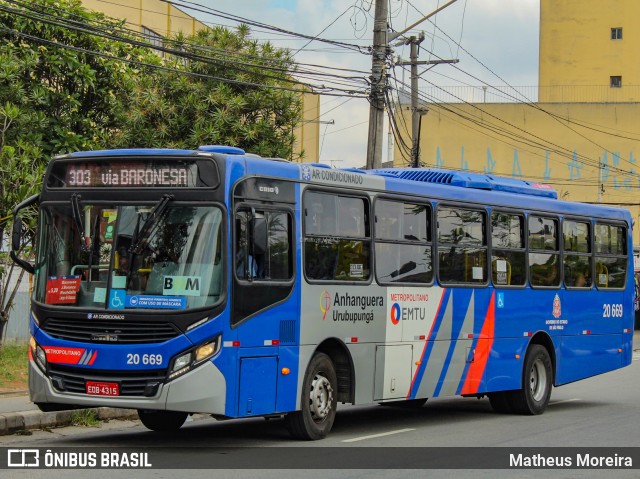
<point>501,34</point>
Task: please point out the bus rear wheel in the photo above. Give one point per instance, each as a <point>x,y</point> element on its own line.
<point>318,402</point>
<point>537,378</point>
<point>162,421</point>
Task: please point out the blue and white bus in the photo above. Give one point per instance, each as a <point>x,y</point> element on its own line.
<point>213,281</point>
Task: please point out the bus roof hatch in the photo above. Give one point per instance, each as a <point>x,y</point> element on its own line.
<point>471,180</point>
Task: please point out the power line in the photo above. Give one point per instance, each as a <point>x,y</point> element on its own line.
<point>106,28</point>
<point>212,11</point>
<point>86,28</point>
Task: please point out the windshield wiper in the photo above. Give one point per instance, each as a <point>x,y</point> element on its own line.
<point>93,247</point>
<point>77,217</point>
<point>141,239</point>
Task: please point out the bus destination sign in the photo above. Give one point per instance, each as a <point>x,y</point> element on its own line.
<point>127,175</point>
<point>124,174</point>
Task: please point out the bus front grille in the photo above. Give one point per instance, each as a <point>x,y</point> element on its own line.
<point>90,331</point>
<point>131,383</point>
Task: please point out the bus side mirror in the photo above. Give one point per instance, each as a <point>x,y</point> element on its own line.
<point>16,243</point>
<point>259,229</point>
<point>16,233</point>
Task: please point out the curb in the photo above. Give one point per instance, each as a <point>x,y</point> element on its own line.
<point>11,423</point>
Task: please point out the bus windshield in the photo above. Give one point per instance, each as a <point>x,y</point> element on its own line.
<point>98,257</point>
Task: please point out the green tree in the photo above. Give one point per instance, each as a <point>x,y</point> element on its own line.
<point>226,89</point>
<point>71,79</point>
<point>70,98</point>
<point>20,177</point>
<point>54,98</point>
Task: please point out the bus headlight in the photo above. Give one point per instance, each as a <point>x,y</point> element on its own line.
<point>181,362</point>
<point>38,354</point>
<point>205,351</point>
<point>188,360</point>
<point>41,357</point>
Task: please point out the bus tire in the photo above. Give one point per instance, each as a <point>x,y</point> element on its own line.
<point>537,377</point>
<point>318,402</point>
<point>162,421</point>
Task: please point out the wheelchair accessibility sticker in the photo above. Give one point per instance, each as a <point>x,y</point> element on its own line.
<point>500,302</point>
<point>118,299</point>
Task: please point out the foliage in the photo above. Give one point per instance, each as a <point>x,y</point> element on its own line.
<point>20,177</point>
<point>222,104</point>
<point>13,366</point>
<point>65,99</point>
<point>85,418</point>
<point>54,98</point>
<point>71,79</point>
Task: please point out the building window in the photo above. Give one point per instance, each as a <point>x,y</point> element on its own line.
<point>152,37</point>
<point>616,81</point>
<point>616,33</point>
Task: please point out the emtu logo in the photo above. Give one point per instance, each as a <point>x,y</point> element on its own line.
<point>396,313</point>
<point>325,303</point>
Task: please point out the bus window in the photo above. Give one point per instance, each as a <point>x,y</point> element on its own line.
<point>268,262</point>
<point>544,254</point>
<point>508,263</point>
<point>611,256</point>
<point>337,241</point>
<point>403,246</point>
<point>462,246</point>
<point>577,261</point>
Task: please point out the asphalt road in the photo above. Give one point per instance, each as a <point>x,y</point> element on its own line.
<point>597,412</point>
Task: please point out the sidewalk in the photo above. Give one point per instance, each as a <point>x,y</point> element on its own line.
<point>18,413</point>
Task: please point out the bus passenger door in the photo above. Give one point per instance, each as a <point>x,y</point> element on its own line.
<point>393,371</point>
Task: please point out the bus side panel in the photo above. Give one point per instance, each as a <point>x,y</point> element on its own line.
<point>587,355</point>
<point>504,367</point>
<point>287,384</point>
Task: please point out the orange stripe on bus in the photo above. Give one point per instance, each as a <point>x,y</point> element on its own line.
<point>482,350</point>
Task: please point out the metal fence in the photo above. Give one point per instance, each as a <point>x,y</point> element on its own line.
<point>18,327</point>
<point>534,94</point>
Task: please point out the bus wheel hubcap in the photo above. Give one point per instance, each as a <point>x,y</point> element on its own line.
<point>538,380</point>
<point>321,397</point>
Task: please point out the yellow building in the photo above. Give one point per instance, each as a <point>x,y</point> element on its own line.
<point>582,137</point>
<point>157,19</point>
<point>586,53</point>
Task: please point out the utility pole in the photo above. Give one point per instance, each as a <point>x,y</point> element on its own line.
<point>379,82</point>
<point>416,113</point>
<point>378,85</point>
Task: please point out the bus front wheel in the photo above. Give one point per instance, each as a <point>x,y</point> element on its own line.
<point>162,421</point>
<point>318,402</point>
<point>537,379</point>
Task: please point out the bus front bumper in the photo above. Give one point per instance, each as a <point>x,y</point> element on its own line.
<point>202,390</point>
